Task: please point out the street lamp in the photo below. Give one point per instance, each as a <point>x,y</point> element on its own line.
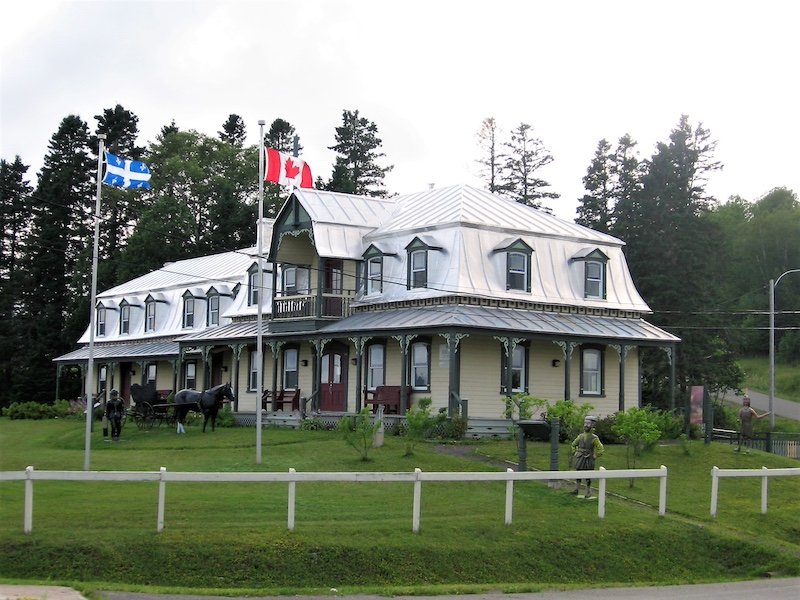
<point>772,284</point>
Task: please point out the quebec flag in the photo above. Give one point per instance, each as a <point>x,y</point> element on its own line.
<point>126,173</point>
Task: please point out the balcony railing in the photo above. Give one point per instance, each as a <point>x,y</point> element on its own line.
<point>312,306</point>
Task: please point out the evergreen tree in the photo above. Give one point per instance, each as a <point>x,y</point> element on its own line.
<point>15,198</point>
<point>283,138</point>
<point>593,208</point>
<point>356,170</point>
<point>60,228</point>
<point>491,159</point>
<point>526,156</point>
<point>233,131</point>
<point>626,171</point>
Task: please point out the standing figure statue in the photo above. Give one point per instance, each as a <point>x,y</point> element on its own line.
<point>746,415</point>
<point>586,448</point>
<point>115,409</point>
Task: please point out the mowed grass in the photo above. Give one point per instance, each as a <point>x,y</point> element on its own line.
<point>232,538</point>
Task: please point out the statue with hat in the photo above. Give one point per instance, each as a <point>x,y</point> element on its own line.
<point>115,410</point>
<point>586,448</point>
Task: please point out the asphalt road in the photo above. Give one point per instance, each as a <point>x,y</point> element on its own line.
<point>781,408</point>
<point>774,589</point>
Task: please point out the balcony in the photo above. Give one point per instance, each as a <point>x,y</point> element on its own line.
<point>312,305</point>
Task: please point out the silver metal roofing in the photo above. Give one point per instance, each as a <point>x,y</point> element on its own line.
<point>245,331</point>
<point>133,350</point>
<point>493,319</point>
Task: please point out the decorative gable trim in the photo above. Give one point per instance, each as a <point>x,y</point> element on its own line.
<point>589,254</point>
<point>419,244</point>
<point>516,245</point>
<point>372,251</point>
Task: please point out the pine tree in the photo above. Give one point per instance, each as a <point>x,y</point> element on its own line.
<point>491,160</point>
<point>233,131</point>
<point>356,170</point>
<point>593,208</point>
<point>283,138</point>
<point>60,228</point>
<point>526,156</point>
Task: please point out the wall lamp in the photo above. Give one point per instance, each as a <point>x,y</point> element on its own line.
<point>304,363</point>
<point>353,361</point>
<point>224,369</point>
<point>555,362</point>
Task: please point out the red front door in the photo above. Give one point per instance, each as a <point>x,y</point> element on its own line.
<point>332,382</point>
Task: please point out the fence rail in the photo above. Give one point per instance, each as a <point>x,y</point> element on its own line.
<point>763,472</point>
<point>292,478</point>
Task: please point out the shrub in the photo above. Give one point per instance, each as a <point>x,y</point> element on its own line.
<point>359,431</point>
<point>28,410</point>
<point>639,429</point>
<point>312,424</point>
<point>225,417</point>
<point>419,423</point>
<point>570,416</point>
<point>604,430</point>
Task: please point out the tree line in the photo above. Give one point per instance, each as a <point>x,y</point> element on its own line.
<point>701,265</point>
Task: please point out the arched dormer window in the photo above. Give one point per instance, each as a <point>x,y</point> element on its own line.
<point>518,265</point>
<point>124,318</point>
<point>150,314</point>
<point>594,272</point>
<point>373,265</point>
<point>190,298</point>
<point>417,263</point>
<point>252,283</point>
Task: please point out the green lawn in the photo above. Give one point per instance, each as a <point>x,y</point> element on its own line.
<point>232,538</point>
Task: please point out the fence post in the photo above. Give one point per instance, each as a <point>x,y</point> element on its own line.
<point>509,497</point>
<point>714,490</point>
<point>292,500</point>
<point>27,521</point>
<point>162,492</point>
<point>662,492</point>
<point>417,500</point>
<point>764,484</point>
<point>601,500</point>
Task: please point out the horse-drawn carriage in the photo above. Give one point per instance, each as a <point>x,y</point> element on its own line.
<point>149,408</point>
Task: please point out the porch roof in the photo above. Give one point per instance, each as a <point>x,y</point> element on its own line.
<point>150,349</point>
<point>502,321</point>
<point>240,331</point>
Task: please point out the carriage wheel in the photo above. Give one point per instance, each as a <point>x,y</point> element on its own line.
<point>145,417</point>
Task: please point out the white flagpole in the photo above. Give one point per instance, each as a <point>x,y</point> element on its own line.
<point>259,333</point>
<point>90,366</point>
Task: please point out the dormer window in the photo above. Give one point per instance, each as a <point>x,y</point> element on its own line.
<point>518,265</point>
<point>212,310</point>
<point>253,283</point>
<point>101,320</point>
<point>124,318</point>
<point>373,259</point>
<point>417,275</point>
<point>188,312</point>
<point>150,314</point>
<point>594,272</point>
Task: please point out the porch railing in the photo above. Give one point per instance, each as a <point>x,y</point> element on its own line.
<point>311,305</point>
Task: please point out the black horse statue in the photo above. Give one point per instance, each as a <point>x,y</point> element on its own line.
<point>207,402</point>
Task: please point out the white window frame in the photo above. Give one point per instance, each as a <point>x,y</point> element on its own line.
<point>190,375</point>
<point>418,274</point>
<point>594,283</point>
<point>150,316</point>
<point>124,319</point>
<point>591,372</point>
<point>514,272</point>
<point>376,365</point>
<point>291,374</point>
<point>252,288</point>
<point>100,325</point>
<point>375,275</point>
<point>188,312</point>
<point>151,372</point>
<point>252,376</point>
<point>420,357</point>
<point>212,311</point>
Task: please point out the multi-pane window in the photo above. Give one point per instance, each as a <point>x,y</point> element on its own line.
<point>188,312</point>
<point>124,319</point>
<point>518,271</point>
<point>375,275</point>
<point>190,375</point>
<point>290,369</point>
<point>212,317</point>
<point>420,366</point>
<point>519,369</point>
<point>375,366</point>
<point>150,316</point>
<point>595,279</point>
<point>252,282</point>
<point>591,372</point>
<point>252,380</point>
<point>152,370</point>
<point>101,320</point>
<point>102,375</point>
<point>418,269</point>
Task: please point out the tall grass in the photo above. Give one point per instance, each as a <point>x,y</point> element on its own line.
<point>232,538</point>
<point>787,377</point>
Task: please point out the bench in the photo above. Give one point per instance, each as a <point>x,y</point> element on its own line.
<point>282,398</point>
<point>386,395</point>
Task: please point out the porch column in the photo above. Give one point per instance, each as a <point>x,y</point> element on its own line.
<point>404,340</point>
<point>319,346</point>
<point>454,368</point>
<point>318,311</point>
<point>509,344</point>
<point>622,353</point>
<point>275,347</point>
<point>236,351</point>
<point>205,352</point>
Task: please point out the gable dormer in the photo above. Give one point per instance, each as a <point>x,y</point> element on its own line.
<point>518,264</point>
<point>373,269</point>
<point>418,251</point>
<point>151,312</point>
<point>125,307</point>
<point>214,294</point>
<point>103,311</point>
<point>190,306</point>
<point>594,277</point>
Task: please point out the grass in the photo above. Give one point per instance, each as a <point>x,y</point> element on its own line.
<point>787,377</point>
<point>231,539</point>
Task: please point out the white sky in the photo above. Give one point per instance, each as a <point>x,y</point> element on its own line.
<point>426,72</point>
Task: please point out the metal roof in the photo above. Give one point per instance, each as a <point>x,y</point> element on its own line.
<point>503,320</point>
<point>132,350</point>
<point>245,331</point>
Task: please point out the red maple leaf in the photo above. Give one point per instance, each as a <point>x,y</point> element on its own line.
<point>291,170</point>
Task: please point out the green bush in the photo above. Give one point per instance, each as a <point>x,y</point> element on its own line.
<point>359,431</point>
<point>29,410</point>
<point>312,424</point>
<point>225,417</point>
<point>419,423</point>
<point>570,416</point>
<point>604,430</point>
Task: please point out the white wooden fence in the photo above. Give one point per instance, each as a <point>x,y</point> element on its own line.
<point>292,478</point>
<point>763,472</point>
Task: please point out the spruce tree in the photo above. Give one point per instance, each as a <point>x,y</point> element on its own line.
<point>233,131</point>
<point>491,156</point>
<point>593,208</point>
<point>356,169</point>
<point>525,157</point>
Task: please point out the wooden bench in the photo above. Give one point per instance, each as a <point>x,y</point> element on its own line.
<point>386,395</point>
<point>283,397</point>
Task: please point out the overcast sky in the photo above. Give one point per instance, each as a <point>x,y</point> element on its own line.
<point>425,72</point>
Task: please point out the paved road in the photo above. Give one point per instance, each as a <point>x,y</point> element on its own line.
<point>781,408</point>
<point>774,589</point>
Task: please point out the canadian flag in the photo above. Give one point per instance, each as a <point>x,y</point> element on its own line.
<point>284,169</point>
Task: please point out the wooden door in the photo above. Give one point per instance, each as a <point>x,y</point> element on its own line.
<point>333,382</point>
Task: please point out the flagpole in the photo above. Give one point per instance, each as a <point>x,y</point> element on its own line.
<point>90,363</point>
<point>259,333</point>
